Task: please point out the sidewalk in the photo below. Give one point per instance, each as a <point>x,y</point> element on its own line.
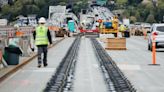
<point>6,72</point>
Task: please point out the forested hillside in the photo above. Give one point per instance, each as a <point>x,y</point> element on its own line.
<point>136,10</point>
<point>39,7</point>
<point>142,10</point>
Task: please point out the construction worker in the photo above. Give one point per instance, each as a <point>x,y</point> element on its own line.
<point>101,27</point>
<point>122,29</point>
<point>144,30</point>
<point>42,36</point>
<point>115,23</point>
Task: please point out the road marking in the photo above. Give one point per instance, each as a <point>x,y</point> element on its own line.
<point>129,67</point>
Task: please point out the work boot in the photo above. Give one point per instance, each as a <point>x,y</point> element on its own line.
<point>39,65</point>
<point>45,64</point>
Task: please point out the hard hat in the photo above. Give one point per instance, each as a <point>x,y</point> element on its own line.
<point>42,20</point>
<point>16,26</point>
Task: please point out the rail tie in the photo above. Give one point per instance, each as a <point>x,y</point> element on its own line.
<point>61,81</point>
<point>114,77</point>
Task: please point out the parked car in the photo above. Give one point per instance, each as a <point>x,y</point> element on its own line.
<point>158,31</point>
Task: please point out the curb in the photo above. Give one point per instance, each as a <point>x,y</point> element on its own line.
<point>25,61</point>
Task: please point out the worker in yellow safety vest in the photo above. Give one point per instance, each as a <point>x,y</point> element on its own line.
<point>122,29</point>
<point>42,38</point>
<point>115,23</point>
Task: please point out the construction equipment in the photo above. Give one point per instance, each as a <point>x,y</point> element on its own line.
<point>59,18</point>
<point>89,26</point>
<point>111,27</point>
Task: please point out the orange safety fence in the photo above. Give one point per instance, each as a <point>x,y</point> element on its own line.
<point>19,33</point>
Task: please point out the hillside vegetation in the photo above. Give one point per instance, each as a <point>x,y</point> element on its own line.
<point>141,10</point>
<point>39,7</point>
<point>136,10</point>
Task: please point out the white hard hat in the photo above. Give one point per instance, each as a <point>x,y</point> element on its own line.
<point>42,20</point>
<point>16,26</point>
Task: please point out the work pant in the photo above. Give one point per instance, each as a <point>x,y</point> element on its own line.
<point>42,49</point>
<point>123,33</point>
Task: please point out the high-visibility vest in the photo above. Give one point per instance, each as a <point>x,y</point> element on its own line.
<point>101,25</point>
<point>115,23</point>
<point>122,28</point>
<point>41,35</point>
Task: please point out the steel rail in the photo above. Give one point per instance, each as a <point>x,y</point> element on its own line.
<point>62,79</point>
<point>115,79</point>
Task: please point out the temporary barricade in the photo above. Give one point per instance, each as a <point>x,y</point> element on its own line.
<point>116,44</point>
<point>22,34</point>
<point>25,39</point>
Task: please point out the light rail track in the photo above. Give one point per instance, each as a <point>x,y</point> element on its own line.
<point>115,79</point>
<point>61,81</point>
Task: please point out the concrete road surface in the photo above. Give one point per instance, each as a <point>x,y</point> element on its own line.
<point>33,79</point>
<point>134,62</point>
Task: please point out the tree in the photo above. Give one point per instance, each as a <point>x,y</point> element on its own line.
<point>134,2</point>
<point>30,9</point>
<point>122,2</point>
<point>6,9</point>
<point>150,19</point>
<point>40,3</point>
<point>126,13</point>
<point>62,3</point>
<point>133,19</point>
<point>138,16</point>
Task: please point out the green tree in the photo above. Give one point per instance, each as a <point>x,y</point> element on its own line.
<point>6,9</point>
<point>62,3</point>
<point>150,19</point>
<point>137,15</point>
<point>40,3</point>
<point>121,2</point>
<point>134,2</point>
<point>126,13</point>
<point>133,19</point>
<point>30,9</point>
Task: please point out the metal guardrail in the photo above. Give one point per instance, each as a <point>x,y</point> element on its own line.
<point>115,79</point>
<point>61,81</point>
